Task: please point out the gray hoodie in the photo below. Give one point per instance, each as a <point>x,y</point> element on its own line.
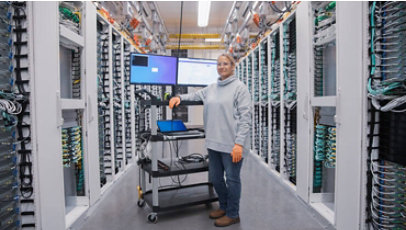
<point>226,114</point>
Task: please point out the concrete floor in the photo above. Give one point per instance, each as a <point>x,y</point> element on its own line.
<point>265,204</point>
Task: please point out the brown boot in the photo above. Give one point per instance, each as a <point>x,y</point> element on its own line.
<point>226,221</point>
<point>216,214</point>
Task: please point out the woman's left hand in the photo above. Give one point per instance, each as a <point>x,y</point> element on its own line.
<point>236,154</point>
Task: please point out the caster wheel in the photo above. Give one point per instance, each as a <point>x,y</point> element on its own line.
<point>141,203</point>
<point>153,217</point>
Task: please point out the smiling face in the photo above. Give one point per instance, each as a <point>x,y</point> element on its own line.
<point>225,67</point>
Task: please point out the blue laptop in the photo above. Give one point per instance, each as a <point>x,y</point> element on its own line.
<point>175,128</point>
<point>169,126</point>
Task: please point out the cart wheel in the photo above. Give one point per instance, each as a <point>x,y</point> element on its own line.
<point>153,217</point>
<point>141,203</point>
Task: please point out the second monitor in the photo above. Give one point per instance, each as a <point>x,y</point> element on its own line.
<point>197,72</point>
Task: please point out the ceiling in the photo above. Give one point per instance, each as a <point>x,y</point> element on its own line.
<point>170,14</point>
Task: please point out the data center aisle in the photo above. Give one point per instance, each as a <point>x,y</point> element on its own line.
<point>265,204</point>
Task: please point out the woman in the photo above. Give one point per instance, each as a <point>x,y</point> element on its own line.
<point>227,121</point>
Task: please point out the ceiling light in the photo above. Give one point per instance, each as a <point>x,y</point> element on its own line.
<point>255,5</point>
<point>212,40</point>
<point>203,14</point>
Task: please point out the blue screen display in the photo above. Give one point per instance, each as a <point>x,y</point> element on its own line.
<point>171,126</point>
<point>153,69</point>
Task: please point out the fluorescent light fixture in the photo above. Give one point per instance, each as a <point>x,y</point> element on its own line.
<point>255,5</point>
<point>203,14</point>
<point>212,40</point>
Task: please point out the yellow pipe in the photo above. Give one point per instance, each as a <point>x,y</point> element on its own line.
<point>196,47</point>
<point>195,36</point>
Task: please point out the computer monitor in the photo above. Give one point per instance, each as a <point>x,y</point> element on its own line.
<point>147,69</point>
<point>197,72</point>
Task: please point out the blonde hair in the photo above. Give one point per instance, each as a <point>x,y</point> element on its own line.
<point>229,57</point>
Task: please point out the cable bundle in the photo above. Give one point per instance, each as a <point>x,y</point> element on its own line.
<point>249,69</point>
<point>388,207</point>
<point>331,148</point>
<point>318,71</point>
<point>386,85</point>
<point>69,16</point>
<point>264,70</point>
<point>275,136</point>
<point>6,51</point>
<point>275,68</point>
<point>66,159</point>
<point>256,76</point>
<point>127,101</point>
<point>318,173</point>
<point>102,97</point>
<point>117,102</point>
<point>9,108</point>
<point>289,61</point>
<point>324,21</point>
<point>290,156</point>
<point>244,72</point>
<point>264,132</point>
<point>72,155</point>
<point>324,33</point>
<point>290,144</point>
<point>71,146</point>
<point>256,128</point>
<point>9,103</point>
<point>9,197</point>
<point>76,73</point>
<point>103,100</point>
<point>320,142</point>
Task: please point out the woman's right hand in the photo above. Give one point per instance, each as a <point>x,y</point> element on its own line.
<point>174,102</point>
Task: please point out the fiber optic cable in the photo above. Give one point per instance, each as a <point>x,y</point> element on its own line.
<point>331,148</point>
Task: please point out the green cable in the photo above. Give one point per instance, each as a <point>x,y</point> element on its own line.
<point>69,14</point>
<point>331,5</point>
<point>384,90</point>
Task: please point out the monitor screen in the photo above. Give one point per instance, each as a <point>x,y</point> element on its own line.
<point>153,69</point>
<point>197,72</point>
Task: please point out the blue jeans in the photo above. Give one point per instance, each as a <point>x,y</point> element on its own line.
<point>229,190</point>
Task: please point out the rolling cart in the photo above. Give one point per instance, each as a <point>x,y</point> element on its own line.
<point>170,198</point>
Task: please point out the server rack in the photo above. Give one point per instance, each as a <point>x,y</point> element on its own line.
<point>275,100</point>
<point>68,100</point>
<point>386,113</point>
<point>288,29</point>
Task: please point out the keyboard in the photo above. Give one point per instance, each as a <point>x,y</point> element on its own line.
<point>185,133</point>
